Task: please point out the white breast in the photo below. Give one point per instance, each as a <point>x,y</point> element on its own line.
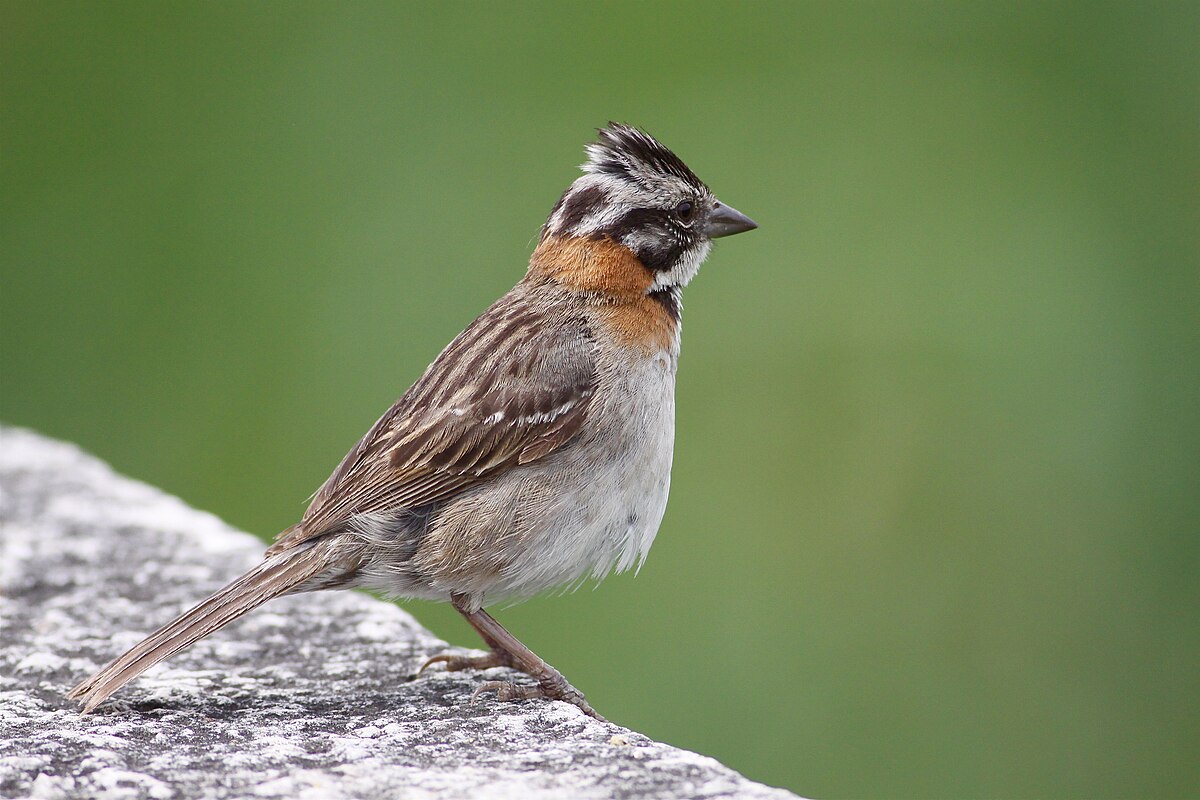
<point>611,486</point>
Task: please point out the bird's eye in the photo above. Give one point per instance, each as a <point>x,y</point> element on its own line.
<point>685,210</point>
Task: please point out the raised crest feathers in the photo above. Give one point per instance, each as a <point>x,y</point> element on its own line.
<point>625,151</point>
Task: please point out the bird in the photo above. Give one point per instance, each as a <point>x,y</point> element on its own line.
<point>533,453</point>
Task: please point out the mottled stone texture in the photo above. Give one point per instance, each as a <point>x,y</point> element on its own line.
<point>308,697</point>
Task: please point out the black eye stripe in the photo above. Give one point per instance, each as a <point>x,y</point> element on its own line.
<point>662,244</point>
<point>646,219</point>
<point>579,203</point>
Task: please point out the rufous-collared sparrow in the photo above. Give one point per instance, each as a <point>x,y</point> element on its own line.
<point>535,451</point>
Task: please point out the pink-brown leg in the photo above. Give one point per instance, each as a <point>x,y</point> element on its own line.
<point>508,651</point>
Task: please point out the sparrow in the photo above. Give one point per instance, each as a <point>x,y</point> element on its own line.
<point>533,453</point>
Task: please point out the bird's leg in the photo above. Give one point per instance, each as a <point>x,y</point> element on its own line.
<point>508,651</point>
<point>497,656</point>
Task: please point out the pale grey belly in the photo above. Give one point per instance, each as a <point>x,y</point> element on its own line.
<point>588,509</point>
<point>611,492</point>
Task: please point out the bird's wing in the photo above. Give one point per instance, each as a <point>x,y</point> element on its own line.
<point>512,388</point>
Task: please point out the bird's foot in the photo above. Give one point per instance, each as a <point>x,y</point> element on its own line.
<point>455,662</point>
<point>551,685</point>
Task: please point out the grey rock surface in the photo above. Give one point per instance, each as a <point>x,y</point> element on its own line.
<point>308,697</point>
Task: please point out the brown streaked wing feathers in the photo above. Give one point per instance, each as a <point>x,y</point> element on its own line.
<point>510,389</point>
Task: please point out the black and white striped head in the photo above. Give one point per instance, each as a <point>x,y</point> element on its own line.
<point>637,192</point>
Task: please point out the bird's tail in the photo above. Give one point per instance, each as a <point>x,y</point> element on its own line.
<point>278,574</point>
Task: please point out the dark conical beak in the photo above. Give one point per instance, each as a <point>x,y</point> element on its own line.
<point>726,221</point>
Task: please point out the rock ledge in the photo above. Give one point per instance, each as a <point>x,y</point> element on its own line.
<point>308,697</point>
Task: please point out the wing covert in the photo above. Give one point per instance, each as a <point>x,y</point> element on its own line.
<point>509,390</point>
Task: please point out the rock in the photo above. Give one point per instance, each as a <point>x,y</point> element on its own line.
<point>308,697</point>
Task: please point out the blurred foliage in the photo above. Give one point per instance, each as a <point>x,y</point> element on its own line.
<point>934,523</point>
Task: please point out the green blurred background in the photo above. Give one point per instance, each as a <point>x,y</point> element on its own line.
<point>933,529</point>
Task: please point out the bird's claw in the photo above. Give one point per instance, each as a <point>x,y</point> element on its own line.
<point>552,687</point>
<point>455,662</point>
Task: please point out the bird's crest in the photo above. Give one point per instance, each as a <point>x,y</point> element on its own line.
<point>623,151</point>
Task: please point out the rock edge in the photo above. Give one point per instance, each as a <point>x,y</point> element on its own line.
<point>308,697</point>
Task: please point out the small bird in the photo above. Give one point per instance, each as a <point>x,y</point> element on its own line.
<point>533,453</point>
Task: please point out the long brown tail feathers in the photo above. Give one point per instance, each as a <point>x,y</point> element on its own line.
<point>278,574</point>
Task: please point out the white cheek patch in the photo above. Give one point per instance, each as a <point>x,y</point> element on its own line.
<point>640,241</point>
<point>683,272</point>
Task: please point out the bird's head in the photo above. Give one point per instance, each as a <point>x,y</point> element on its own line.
<point>637,193</point>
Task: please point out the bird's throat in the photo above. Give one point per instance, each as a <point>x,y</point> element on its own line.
<point>592,265</point>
